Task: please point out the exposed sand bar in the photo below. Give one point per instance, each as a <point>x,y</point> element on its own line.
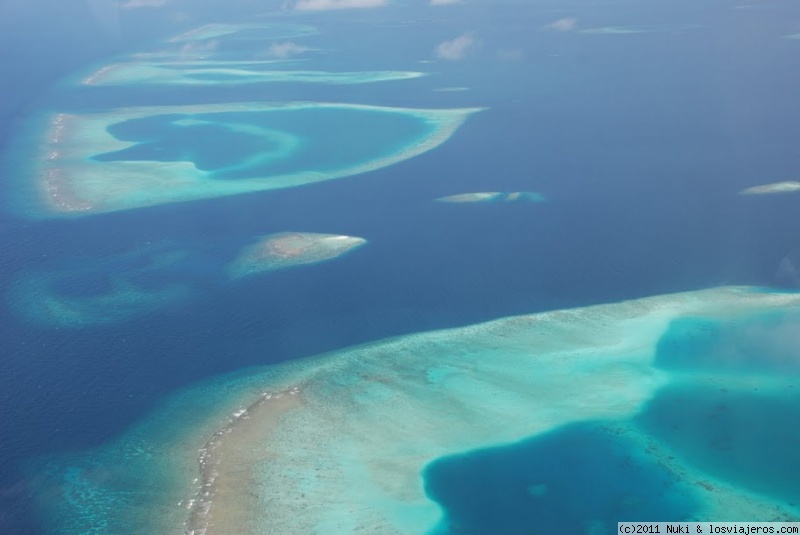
<point>772,189</point>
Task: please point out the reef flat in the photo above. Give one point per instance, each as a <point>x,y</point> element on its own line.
<point>771,189</point>
<point>223,53</point>
<point>352,451</point>
<point>141,73</point>
<point>93,291</point>
<point>288,249</point>
<point>494,196</point>
<point>129,158</point>
<point>262,30</point>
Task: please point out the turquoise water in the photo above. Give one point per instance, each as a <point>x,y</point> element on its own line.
<point>582,478</point>
<point>159,151</point>
<point>755,344</point>
<point>128,486</point>
<point>276,142</point>
<point>81,167</point>
<point>482,429</point>
<point>748,436</point>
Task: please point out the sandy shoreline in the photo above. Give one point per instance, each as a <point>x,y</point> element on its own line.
<point>227,460</point>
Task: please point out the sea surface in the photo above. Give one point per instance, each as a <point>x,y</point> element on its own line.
<point>639,138</point>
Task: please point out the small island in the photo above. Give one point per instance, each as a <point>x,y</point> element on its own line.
<point>288,249</point>
<point>494,196</point>
<point>771,189</point>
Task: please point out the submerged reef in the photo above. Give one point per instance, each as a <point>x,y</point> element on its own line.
<point>93,291</point>
<point>89,291</point>
<point>223,54</point>
<point>289,249</point>
<point>768,189</point>
<point>340,443</point>
<point>494,196</point>
<point>135,157</point>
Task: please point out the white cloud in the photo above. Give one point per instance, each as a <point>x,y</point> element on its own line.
<point>325,5</point>
<point>286,50</point>
<point>444,2</point>
<point>563,25</point>
<point>455,49</point>
<point>135,4</point>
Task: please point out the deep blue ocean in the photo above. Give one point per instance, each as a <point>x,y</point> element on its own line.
<point>640,144</point>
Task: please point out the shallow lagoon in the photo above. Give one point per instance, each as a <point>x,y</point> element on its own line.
<point>136,157</point>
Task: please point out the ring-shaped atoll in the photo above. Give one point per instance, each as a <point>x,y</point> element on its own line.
<point>127,158</point>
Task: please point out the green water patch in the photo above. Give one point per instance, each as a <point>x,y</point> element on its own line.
<point>743,435</point>
<point>135,157</point>
<point>581,478</point>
